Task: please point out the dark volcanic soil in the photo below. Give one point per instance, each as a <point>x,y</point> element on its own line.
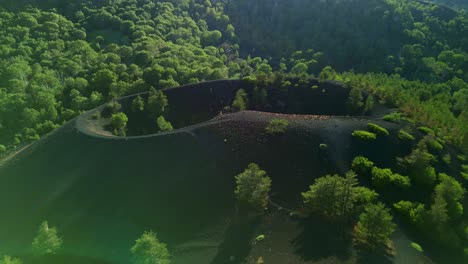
<point>102,191</point>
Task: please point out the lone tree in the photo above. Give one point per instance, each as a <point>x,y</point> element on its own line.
<point>375,226</point>
<point>46,242</point>
<point>240,101</point>
<point>149,250</point>
<point>253,186</point>
<point>164,125</point>
<point>157,102</point>
<point>119,123</point>
<point>277,126</point>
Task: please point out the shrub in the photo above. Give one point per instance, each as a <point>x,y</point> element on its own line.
<point>426,130</point>
<point>383,177</point>
<point>46,241</point>
<point>253,186</point>
<point>164,125</point>
<point>461,158</point>
<point>464,172</point>
<point>277,126</point>
<point>260,238</point>
<point>417,247</point>
<point>377,129</point>
<point>361,165</point>
<point>323,146</point>
<point>464,175</point>
<point>250,79</point>
<point>434,145</point>
<point>148,249</point>
<point>392,117</point>
<point>2,149</point>
<point>286,84</point>
<point>464,168</point>
<point>403,135</point>
<point>364,135</point>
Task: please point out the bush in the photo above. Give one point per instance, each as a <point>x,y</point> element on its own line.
<point>253,186</point>
<point>426,130</point>
<point>434,145</point>
<point>393,117</point>
<point>364,135</point>
<point>377,129</point>
<point>464,175</point>
<point>361,165</point>
<point>403,135</point>
<point>464,172</point>
<point>384,177</point>
<point>2,149</point>
<point>417,247</point>
<point>464,168</point>
<point>164,125</point>
<point>461,158</point>
<point>277,126</point>
<point>148,249</point>
<point>323,146</point>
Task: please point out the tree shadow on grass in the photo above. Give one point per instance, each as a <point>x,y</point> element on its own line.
<point>237,241</point>
<point>381,255</point>
<point>320,239</point>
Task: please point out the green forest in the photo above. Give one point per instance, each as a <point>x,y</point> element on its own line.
<point>59,59</point>
<point>58,62</point>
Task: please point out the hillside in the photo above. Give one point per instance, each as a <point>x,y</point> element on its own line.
<point>106,190</point>
<point>233,131</point>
